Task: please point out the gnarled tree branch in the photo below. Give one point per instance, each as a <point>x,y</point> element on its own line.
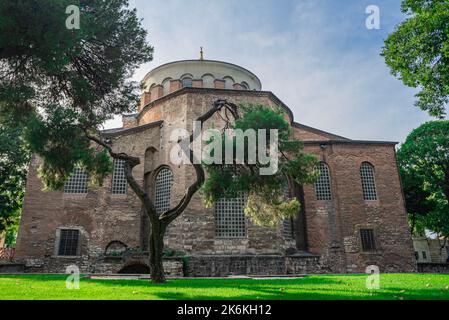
<point>170,215</point>
<point>130,162</point>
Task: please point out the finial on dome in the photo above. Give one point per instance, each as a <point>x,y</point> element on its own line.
<point>201,53</point>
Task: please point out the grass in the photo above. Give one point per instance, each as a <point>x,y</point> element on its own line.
<point>319,287</point>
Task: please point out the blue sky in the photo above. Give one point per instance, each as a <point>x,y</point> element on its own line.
<point>317,56</point>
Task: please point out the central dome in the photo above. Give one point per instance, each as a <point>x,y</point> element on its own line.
<point>200,74</point>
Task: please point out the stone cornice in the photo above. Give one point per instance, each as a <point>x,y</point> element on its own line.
<point>353,142</point>
<point>121,131</point>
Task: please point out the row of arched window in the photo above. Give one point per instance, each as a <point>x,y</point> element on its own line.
<point>230,219</point>
<point>208,81</point>
<point>323,189</point>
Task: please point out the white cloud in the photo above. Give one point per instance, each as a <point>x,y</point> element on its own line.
<point>314,55</point>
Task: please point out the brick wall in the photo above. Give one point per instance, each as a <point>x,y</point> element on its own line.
<point>336,224</point>
<point>332,228</point>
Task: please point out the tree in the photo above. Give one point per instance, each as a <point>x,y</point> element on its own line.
<point>14,158</point>
<point>56,84</point>
<point>424,167</point>
<point>60,85</point>
<point>418,53</point>
<point>226,180</point>
<point>266,203</point>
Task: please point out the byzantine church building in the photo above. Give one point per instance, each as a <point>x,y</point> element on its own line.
<point>353,216</point>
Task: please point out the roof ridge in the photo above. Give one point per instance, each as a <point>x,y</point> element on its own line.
<point>300,125</point>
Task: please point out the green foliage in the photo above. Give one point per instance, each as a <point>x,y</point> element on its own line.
<point>266,204</point>
<point>62,145</point>
<point>418,52</point>
<point>14,158</point>
<point>269,212</point>
<point>424,169</point>
<point>83,69</point>
<point>11,233</point>
<point>58,83</point>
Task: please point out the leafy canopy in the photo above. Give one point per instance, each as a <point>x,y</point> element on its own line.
<point>14,158</point>
<point>424,168</point>
<point>418,53</point>
<point>59,84</point>
<point>267,204</point>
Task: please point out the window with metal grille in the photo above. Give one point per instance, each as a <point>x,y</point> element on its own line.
<point>424,255</point>
<point>119,184</point>
<point>68,242</point>
<point>287,224</point>
<point>187,83</point>
<point>230,218</point>
<point>164,182</point>
<point>323,183</point>
<point>368,242</point>
<point>77,183</point>
<point>368,181</point>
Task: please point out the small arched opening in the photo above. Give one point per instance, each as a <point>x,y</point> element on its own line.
<point>115,249</point>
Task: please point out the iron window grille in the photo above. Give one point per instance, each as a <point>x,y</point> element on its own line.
<point>368,181</point>
<point>164,182</point>
<point>368,241</point>
<point>323,183</point>
<point>230,219</point>
<point>68,242</point>
<point>187,83</point>
<point>77,183</point>
<point>119,183</point>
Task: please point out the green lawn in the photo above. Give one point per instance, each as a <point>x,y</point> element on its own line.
<point>392,287</point>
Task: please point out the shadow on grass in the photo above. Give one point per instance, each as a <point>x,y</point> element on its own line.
<point>347,287</point>
<point>243,289</point>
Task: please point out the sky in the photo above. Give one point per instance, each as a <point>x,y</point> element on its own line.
<point>317,56</point>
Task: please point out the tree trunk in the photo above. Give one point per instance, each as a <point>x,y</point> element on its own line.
<point>159,223</point>
<point>446,184</point>
<point>156,253</point>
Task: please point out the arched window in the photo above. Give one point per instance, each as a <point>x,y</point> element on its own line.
<point>368,181</point>
<point>187,82</point>
<point>119,184</point>
<point>164,182</point>
<point>208,81</point>
<point>166,86</point>
<point>229,82</point>
<point>323,183</point>
<point>115,249</point>
<point>77,183</point>
<point>245,85</point>
<point>230,218</point>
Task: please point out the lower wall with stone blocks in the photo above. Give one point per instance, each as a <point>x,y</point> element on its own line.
<point>189,266</point>
<point>442,268</point>
<point>204,265</point>
<point>222,266</point>
<point>174,267</point>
